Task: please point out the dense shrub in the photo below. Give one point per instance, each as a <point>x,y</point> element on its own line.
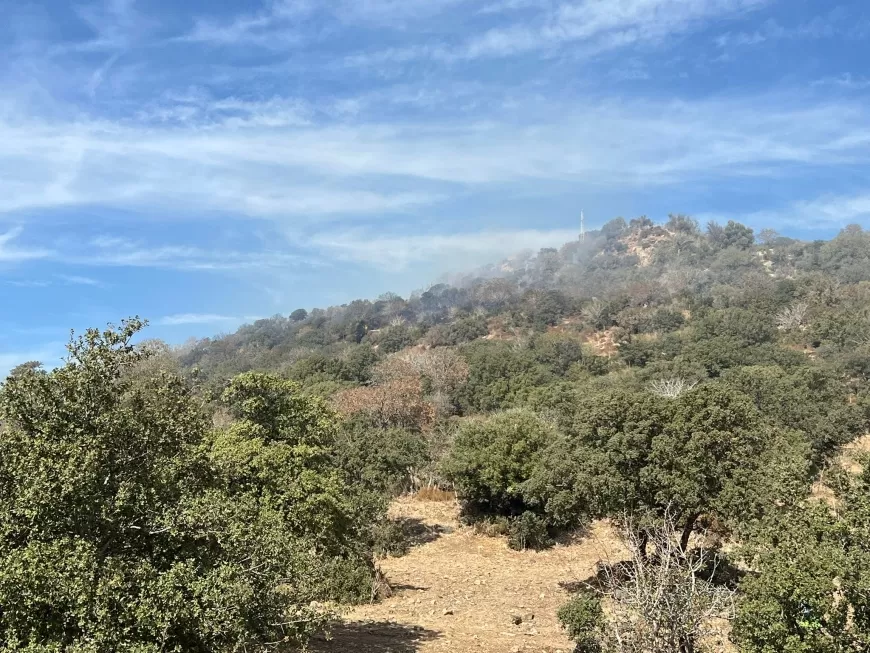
<point>499,377</point>
<point>529,531</point>
<point>583,619</point>
<point>706,452</point>
<point>385,460</point>
<point>493,456</point>
<point>129,526</point>
<point>807,592</point>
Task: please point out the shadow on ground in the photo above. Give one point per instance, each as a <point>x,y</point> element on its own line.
<point>417,532</point>
<point>373,637</point>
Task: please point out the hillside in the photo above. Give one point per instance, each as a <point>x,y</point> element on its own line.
<point>636,320</point>
<point>622,288</point>
<point>653,439</point>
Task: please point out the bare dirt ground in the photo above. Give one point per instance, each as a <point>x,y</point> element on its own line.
<point>462,591</point>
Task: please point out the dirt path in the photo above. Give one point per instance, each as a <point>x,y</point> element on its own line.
<point>461,591</point>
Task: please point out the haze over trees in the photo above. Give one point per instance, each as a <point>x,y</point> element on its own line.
<point>691,385</point>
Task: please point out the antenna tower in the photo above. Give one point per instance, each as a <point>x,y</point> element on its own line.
<point>582,227</point>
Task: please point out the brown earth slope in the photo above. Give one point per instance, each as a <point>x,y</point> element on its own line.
<point>461,591</point>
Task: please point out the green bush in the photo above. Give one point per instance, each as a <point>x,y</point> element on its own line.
<point>493,456</point>
<point>583,619</point>
<point>529,531</point>
<point>807,592</point>
<point>706,452</point>
<point>383,460</point>
<point>128,525</point>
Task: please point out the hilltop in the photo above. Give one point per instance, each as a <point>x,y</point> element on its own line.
<point>697,400</point>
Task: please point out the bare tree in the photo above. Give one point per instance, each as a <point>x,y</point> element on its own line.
<point>792,317</point>
<point>444,368</point>
<point>671,388</point>
<point>660,602</point>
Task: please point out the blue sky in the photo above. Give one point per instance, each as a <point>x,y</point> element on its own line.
<point>205,163</point>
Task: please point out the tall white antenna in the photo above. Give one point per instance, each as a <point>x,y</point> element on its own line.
<point>582,227</point>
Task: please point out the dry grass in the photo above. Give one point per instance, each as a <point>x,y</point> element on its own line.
<point>461,591</point>
<point>850,460</point>
<point>603,342</point>
<point>434,494</point>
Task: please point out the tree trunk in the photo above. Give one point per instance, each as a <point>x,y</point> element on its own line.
<point>642,541</point>
<point>687,531</point>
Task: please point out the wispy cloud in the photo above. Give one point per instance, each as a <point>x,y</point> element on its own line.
<point>196,318</point>
<point>830,209</point>
<point>821,212</point>
<point>502,6</point>
<point>108,251</point>
<point>771,30</point>
<point>10,253</point>
<point>29,283</point>
<point>78,280</point>
<point>309,173</point>
<point>593,26</point>
<point>115,25</point>
<point>398,251</point>
<point>846,81</point>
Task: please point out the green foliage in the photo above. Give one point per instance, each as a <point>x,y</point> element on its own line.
<point>707,452</point>
<point>384,460</point>
<point>132,524</point>
<point>808,591</point>
<point>583,619</point>
<point>390,539</point>
<point>493,456</point>
<point>129,526</point>
<point>353,366</point>
<point>745,327</point>
<point>500,376</point>
<point>808,399</point>
<point>465,329</point>
<point>558,352</point>
<point>529,531</point>
<point>395,338</point>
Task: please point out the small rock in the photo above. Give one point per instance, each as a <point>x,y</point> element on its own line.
<point>516,619</point>
<point>447,611</point>
<point>529,616</point>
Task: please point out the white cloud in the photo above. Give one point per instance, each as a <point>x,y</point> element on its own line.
<point>822,212</point>
<point>9,253</point>
<point>593,25</point>
<point>399,251</point>
<point>108,251</point>
<point>255,28</point>
<point>502,6</point>
<point>278,25</point>
<point>817,28</point>
<point>311,172</point>
<point>29,283</point>
<point>830,209</point>
<point>78,280</point>
<point>115,25</point>
<point>196,318</point>
<point>846,81</point>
